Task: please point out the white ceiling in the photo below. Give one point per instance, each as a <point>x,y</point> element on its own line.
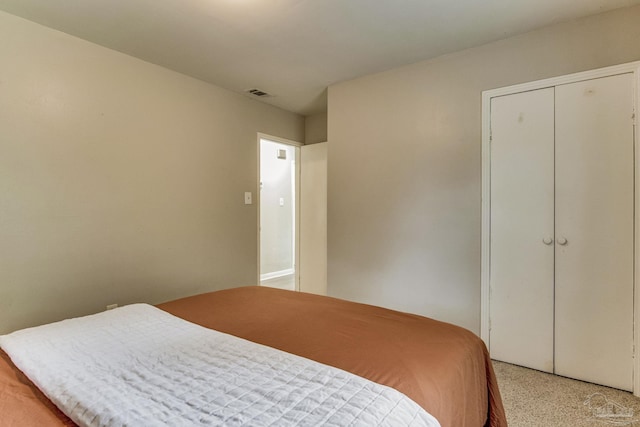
<point>294,49</point>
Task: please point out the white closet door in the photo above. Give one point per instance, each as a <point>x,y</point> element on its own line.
<point>594,231</point>
<point>521,309</point>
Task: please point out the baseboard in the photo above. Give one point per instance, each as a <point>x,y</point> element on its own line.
<point>276,274</point>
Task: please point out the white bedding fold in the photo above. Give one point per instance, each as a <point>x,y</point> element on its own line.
<point>140,366</point>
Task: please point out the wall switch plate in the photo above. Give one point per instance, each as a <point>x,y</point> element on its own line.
<point>247,198</point>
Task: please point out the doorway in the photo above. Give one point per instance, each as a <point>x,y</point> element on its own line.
<point>279,212</point>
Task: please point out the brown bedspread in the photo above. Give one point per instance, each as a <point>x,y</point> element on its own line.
<point>444,368</point>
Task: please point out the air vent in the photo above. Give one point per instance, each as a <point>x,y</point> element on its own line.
<point>259,93</point>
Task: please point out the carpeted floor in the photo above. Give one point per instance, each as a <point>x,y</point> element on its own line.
<point>537,399</point>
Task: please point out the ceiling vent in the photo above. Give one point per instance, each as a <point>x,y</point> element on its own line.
<point>257,92</point>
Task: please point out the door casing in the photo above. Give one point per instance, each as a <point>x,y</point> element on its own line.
<point>261,136</point>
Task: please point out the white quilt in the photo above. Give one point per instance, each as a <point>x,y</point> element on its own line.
<point>140,366</point>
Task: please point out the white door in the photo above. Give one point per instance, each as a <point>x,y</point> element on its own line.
<point>522,224</point>
<point>313,218</point>
<point>594,231</point>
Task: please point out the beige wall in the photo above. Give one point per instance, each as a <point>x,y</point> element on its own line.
<point>315,128</point>
<point>405,168</point>
<point>120,181</point>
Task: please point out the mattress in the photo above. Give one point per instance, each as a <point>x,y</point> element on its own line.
<point>443,368</point>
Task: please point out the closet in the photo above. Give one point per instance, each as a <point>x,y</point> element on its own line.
<point>559,228</point>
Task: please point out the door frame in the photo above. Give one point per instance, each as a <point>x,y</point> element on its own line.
<point>485,273</point>
<point>296,255</point>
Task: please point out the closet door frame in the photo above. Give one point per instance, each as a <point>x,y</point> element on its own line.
<point>632,67</point>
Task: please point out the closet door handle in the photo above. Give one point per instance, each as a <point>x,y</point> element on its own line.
<point>547,241</point>
<point>562,241</point>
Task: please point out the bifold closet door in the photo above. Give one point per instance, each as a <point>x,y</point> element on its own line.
<point>594,231</point>
<point>522,249</point>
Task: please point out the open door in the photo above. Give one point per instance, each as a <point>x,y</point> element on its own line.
<point>313,218</point>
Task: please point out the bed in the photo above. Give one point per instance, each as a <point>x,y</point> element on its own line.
<point>444,369</point>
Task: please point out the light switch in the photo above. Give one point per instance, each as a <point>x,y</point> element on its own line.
<point>247,198</point>
<point>281,201</point>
